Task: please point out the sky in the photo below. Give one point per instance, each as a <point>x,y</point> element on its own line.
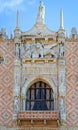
<point>28,10</point>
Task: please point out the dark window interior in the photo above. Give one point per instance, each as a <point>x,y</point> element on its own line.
<point>40,97</point>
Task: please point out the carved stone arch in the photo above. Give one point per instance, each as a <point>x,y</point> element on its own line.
<point>33,80</point>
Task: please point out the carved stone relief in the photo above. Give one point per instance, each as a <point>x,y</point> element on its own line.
<point>61,50</point>
<point>37,50</point>
<point>62,109</point>
<point>62,87</point>
<point>16,104</point>
<point>17,82</point>
<point>17,50</point>
<point>17,73</point>
<point>62,95</point>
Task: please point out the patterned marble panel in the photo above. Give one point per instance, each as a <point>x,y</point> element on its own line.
<point>6,83</point>
<point>72,83</point>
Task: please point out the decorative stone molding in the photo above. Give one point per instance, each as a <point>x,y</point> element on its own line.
<point>17,74</point>
<point>62,91</point>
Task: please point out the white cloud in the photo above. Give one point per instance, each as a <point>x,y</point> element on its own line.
<point>9,4</point>
<point>32,2</point>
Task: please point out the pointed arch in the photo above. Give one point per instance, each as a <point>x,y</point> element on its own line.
<point>39,96</point>
<point>34,79</point>
<point>28,82</point>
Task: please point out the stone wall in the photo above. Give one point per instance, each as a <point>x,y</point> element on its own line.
<point>72,83</point>
<point>6,82</point>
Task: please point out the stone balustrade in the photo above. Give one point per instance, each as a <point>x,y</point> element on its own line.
<point>53,115</point>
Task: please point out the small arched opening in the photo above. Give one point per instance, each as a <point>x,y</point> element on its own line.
<point>39,97</point>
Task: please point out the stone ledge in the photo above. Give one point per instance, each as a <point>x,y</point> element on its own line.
<point>39,128</point>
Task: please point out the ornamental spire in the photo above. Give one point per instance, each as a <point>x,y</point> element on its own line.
<point>17,29</point>
<point>61,20</point>
<point>41,14</point>
<point>17,20</point>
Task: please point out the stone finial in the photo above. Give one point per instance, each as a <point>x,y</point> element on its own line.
<point>61,19</point>
<point>17,20</point>
<point>17,30</point>
<point>11,35</point>
<point>73,33</point>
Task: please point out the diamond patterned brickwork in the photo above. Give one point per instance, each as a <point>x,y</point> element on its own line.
<point>72,83</point>
<point>6,83</point>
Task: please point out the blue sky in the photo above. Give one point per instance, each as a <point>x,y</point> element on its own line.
<point>28,12</point>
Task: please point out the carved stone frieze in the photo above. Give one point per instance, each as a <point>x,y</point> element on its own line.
<point>37,50</point>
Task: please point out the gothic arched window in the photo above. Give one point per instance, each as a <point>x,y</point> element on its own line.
<point>39,97</point>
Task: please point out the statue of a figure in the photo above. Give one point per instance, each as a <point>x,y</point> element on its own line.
<point>17,50</point>
<point>37,51</point>
<point>62,109</point>
<point>22,51</point>
<point>61,50</point>
<point>28,51</point>
<point>16,104</point>
<point>41,13</point>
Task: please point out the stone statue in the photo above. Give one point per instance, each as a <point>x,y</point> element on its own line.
<point>62,88</point>
<point>62,109</point>
<point>61,50</point>
<point>17,50</point>
<point>36,50</point>
<point>41,10</point>
<point>41,13</point>
<point>22,50</point>
<point>24,83</point>
<point>39,50</point>
<point>16,104</point>
<point>27,51</point>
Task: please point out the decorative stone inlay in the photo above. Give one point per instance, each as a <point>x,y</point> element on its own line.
<point>73,61</point>
<point>6,83</point>
<point>7,79</point>
<point>5,115</point>
<point>73,79</point>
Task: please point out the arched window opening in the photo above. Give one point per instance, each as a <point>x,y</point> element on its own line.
<point>39,97</point>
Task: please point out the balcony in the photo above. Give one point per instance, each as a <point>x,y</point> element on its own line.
<point>38,115</point>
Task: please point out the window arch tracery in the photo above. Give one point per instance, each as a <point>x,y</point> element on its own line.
<point>39,97</point>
